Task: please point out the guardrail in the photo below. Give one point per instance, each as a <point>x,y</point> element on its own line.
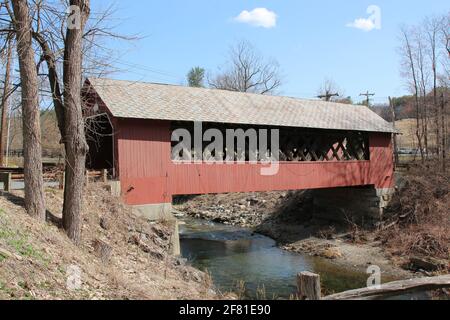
<point>19,153</point>
<point>8,175</point>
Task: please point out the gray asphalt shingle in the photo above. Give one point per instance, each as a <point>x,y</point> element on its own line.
<point>126,99</point>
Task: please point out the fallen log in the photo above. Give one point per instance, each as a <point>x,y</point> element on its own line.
<point>394,288</point>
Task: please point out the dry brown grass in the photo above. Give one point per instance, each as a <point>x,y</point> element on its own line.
<point>50,132</point>
<point>408,138</point>
<point>41,255</point>
<point>419,216</point>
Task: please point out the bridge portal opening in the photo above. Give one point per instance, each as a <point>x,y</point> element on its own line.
<point>100,138</point>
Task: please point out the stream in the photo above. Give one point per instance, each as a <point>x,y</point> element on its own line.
<point>234,255</point>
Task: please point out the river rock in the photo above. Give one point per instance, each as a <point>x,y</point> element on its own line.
<point>105,223</point>
<point>427,264</point>
<point>331,253</point>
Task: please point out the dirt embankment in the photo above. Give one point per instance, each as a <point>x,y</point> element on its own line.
<point>121,257</point>
<point>415,234</point>
<point>417,223</point>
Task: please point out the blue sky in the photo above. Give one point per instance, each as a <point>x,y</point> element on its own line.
<point>311,40</point>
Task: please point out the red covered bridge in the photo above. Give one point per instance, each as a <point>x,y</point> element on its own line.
<point>322,144</point>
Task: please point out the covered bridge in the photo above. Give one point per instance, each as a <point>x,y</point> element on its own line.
<point>322,145</point>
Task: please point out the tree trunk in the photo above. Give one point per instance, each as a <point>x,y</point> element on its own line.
<point>444,135</point>
<point>418,132</point>
<point>5,103</point>
<point>53,79</point>
<point>74,139</point>
<point>416,93</point>
<point>435,101</point>
<point>34,184</point>
<point>394,136</point>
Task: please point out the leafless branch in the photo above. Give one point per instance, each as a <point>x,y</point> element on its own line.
<point>247,71</point>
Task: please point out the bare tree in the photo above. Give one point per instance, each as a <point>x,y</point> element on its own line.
<point>432,28</point>
<point>445,84</point>
<point>68,47</point>
<point>247,71</point>
<point>423,80</point>
<point>34,184</point>
<point>410,66</point>
<point>67,101</point>
<point>444,134</point>
<point>62,53</point>
<point>427,70</point>
<point>5,98</point>
<point>445,31</point>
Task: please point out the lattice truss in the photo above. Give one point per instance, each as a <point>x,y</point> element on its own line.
<point>300,145</point>
<point>324,146</point>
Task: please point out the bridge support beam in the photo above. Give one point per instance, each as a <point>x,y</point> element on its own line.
<point>361,205</point>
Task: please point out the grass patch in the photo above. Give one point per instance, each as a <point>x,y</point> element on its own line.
<point>19,242</point>
<point>24,248</point>
<point>5,289</point>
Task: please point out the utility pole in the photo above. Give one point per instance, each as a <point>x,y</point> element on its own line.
<point>367,95</point>
<point>5,104</point>
<point>327,96</point>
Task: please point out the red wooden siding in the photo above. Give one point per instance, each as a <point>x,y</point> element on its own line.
<point>381,160</point>
<point>149,176</point>
<point>144,154</point>
<point>221,178</point>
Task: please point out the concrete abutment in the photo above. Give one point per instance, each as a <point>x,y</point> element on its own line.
<point>360,205</point>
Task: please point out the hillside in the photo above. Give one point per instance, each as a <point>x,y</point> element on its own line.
<point>37,261</point>
<point>407,139</point>
<point>50,133</point>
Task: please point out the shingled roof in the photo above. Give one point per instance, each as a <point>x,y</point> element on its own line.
<point>138,100</point>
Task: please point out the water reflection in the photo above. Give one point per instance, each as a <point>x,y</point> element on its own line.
<point>232,254</point>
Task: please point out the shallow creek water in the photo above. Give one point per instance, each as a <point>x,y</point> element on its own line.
<point>232,255</point>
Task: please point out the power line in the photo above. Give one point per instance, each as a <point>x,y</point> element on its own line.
<point>367,95</point>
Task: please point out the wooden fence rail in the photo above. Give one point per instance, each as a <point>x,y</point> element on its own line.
<point>309,288</point>
<point>7,175</point>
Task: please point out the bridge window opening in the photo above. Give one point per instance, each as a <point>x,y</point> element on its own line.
<point>295,144</point>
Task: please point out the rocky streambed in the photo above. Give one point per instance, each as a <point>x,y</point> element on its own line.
<point>287,217</point>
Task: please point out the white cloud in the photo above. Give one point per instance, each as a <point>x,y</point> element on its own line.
<point>371,23</point>
<point>259,17</point>
<point>362,24</point>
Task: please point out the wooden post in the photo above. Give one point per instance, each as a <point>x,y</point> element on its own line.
<point>105,176</point>
<point>6,179</point>
<point>309,286</point>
